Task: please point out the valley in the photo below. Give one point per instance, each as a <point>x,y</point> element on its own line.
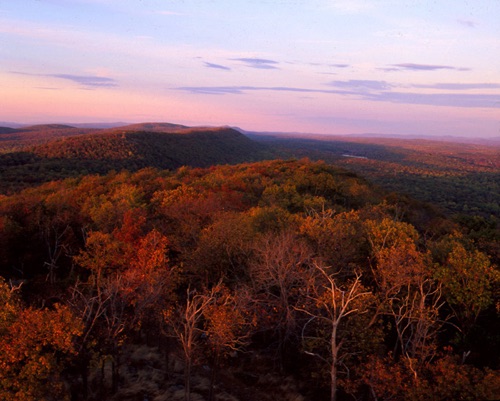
<point>164,262</point>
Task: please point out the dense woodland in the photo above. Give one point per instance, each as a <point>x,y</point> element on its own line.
<point>39,154</point>
<point>460,179</point>
<point>292,280</point>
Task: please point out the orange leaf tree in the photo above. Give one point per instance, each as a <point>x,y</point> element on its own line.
<point>35,344</point>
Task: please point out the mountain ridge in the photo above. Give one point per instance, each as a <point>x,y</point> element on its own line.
<point>131,147</point>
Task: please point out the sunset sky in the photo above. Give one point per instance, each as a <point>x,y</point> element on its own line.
<point>318,66</point>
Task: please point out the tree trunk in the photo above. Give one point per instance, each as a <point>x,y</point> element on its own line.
<point>115,378</point>
<point>102,380</point>
<point>187,381</point>
<point>213,375</point>
<point>333,383</point>
<point>333,368</point>
<point>83,372</point>
<point>85,380</point>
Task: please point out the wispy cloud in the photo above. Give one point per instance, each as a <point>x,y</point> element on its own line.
<point>84,80</point>
<point>212,90</point>
<point>459,86</point>
<point>216,66</point>
<point>422,67</point>
<point>87,80</point>
<point>260,63</point>
<point>378,91</point>
<point>362,85</point>
<point>467,23</point>
<point>438,99</point>
<point>223,90</point>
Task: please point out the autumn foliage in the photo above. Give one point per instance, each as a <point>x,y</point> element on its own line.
<point>241,274</point>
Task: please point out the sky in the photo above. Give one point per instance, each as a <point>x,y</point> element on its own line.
<point>399,67</point>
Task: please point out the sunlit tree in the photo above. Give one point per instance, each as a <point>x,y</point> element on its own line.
<point>35,345</point>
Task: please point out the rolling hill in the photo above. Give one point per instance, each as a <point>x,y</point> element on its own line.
<point>460,178</point>
<point>15,139</point>
<point>112,265</point>
<point>6,130</point>
<point>178,146</point>
<point>131,147</point>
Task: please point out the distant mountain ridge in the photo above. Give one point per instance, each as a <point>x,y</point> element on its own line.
<point>70,129</point>
<point>21,137</point>
<point>494,140</point>
<point>7,130</point>
<point>148,127</point>
<point>41,127</point>
<point>162,146</point>
<point>48,152</point>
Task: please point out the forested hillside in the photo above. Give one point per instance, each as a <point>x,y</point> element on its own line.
<point>462,180</point>
<point>289,280</point>
<point>458,177</point>
<point>12,139</point>
<point>166,146</point>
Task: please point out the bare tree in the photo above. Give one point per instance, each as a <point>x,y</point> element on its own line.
<point>331,304</point>
<point>54,240</point>
<point>408,292</point>
<point>278,275</point>
<point>90,305</point>
<point>186,321</point>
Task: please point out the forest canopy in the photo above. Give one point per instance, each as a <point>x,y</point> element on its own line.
<point>203,282</point>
